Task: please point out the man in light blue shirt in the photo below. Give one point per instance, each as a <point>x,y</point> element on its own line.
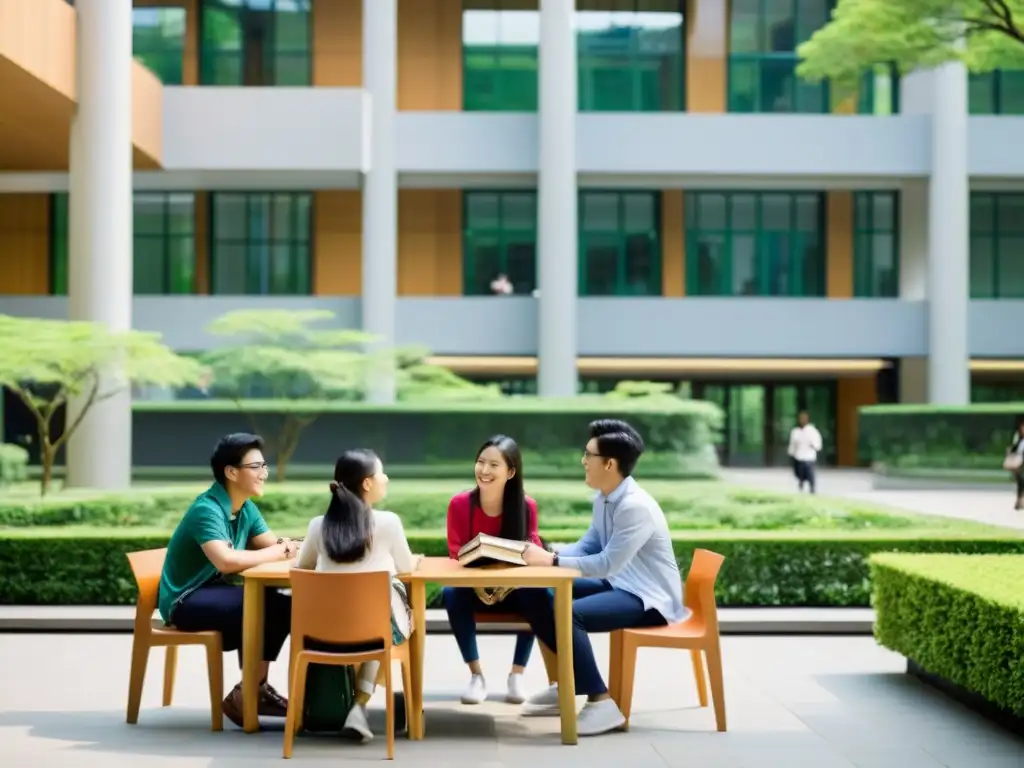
<point>630,574</point>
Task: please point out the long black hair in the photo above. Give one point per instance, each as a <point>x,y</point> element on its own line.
<point>513,504</point>
<point>347,528</point>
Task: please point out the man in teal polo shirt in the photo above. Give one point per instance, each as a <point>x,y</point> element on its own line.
<point>224,533</point>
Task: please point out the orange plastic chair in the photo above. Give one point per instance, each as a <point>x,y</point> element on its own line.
<point>146,567</point>
<point>343,609</point>
<point>699,633</point>
<point>550,659</point>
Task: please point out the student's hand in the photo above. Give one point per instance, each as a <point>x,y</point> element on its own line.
<point>288,549</point>
<point>534,555</point>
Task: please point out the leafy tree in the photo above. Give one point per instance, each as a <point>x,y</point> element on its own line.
<point>48,362</point>
<point>914,34</point>
<point>283,354</point>
<point>420,379</point>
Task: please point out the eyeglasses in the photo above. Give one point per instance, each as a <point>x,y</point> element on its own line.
<point>588,455</point>
<point>257,465</point>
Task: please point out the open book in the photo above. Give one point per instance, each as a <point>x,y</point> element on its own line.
<point>488,550</point>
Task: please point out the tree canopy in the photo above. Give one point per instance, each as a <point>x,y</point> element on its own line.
<point>914,34</point>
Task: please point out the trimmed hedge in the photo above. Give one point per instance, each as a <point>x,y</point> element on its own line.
<point>972,437</point>
<point>442,438</point>
<point>83,566</point>
<point>960,618</point>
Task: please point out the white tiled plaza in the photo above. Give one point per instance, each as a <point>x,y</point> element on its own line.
<point>792,703</point>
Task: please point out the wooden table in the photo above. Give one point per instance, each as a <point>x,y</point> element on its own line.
<point>437,570</point>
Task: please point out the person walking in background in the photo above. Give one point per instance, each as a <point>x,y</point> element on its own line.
<point>497,506</point>
<point>804,446</point>
<point>1014,461</point>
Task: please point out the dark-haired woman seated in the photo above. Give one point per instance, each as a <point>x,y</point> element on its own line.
<point>497,506</point>
<point>352,537</point>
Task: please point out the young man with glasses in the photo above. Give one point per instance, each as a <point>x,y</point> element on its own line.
<point>630,574</point>
<point>221,534</point>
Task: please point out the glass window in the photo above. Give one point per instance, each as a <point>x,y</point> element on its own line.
<point>499,238</point>
<point>1000,92</point>
<point>620,243</point>
<point>255,42</point>
<point>876,244</point>
<point>164,257</point>
<point>879,92</point>
<point>260,243</point>
<point>755,244</point>
<point>997,245</point>
<point>158,41</point>
<point>629,58</point>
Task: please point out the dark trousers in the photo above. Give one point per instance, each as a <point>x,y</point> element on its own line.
<point>218,608</point>
<point>462,602</point>
<point>596,607</point>
<point>1020,485</point>
<point>804,471</point>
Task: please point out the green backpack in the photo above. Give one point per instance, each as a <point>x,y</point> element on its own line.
<point>330,694</point>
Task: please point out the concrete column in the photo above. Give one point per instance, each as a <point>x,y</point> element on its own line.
<point>99,453</point>
<point>380,186</point>
<point>949,241</point>
<point>557,254</point>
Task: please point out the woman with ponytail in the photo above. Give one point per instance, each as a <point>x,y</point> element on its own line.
<point>353,537</point>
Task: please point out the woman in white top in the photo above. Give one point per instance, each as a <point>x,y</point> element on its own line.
<point>352,537</point>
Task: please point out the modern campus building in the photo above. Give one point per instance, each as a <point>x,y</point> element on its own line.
<point>666,198</point>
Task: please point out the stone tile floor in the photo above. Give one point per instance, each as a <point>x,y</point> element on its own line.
<point>792,701</point>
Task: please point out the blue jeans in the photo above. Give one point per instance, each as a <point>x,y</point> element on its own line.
<point>596,607</point>
<point>462,602</point>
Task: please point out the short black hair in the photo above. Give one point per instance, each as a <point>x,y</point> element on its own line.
<point>230,451</point>
<point>618,440</point>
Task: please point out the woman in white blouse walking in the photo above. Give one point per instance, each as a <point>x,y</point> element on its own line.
<point>353,537</point>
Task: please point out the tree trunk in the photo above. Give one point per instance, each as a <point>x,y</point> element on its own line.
<point>47,455</point>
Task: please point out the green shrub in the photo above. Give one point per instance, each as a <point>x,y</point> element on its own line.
<point>958,617</point>
<point>13,464</point>
<point>972,437</point>
<point>441,438</point>
<point>81,566</point>
<point>423,506</point>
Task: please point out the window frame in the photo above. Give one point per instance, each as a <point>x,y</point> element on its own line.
<point>207,54</point>
<point>504,236</point>
<point>213,241</point>
<point>621,237</point>
<point>762,273</point>
<point>178,48</point>
<point>864,260</point>
<point>997,235</point>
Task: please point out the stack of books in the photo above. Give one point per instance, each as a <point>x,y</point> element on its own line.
<point>492,550</point>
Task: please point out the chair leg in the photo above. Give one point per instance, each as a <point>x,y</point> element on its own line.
<point>296,697</point>
<point>714,656</point>
<point>627,675</point>
<point>698,674</point>
<point>140,658</point>
<point>550,662</point>
<point>215,673</point>
<point>407,690</point>
<point>170,669</point>
<point>390,711</point>
<point>615,667</point>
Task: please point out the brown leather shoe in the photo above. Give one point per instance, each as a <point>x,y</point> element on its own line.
<point>272,703</point>
<point>232,706</point>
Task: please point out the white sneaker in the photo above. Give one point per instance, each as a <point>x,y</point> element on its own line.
<point>543,704</point>
<point>476,692</point>
<point>356,724</point>
<point>515,693</point>
<point>599,717</point>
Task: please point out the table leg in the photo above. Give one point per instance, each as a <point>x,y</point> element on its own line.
<point>566,678</point>
<point>252,652</point>
<point>417,645</point>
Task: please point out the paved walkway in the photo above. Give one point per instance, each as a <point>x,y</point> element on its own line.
<point>792,702</point>
<point>993,506</point>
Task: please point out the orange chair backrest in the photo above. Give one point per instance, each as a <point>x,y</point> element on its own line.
<point>342,608</point>
<point>699,594</point>
<point>147,567</point>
